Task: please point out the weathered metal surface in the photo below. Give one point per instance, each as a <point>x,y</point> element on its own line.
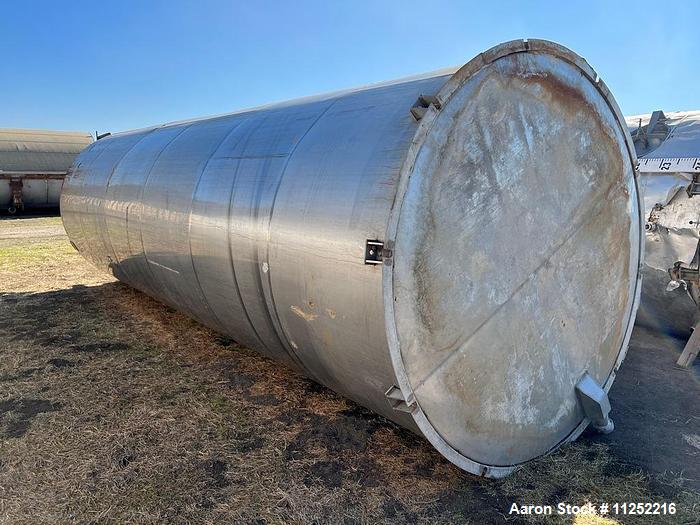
<point>669,145</point>
<point>671,236</point>
<point>33,164</point>
<point>673,135</point>
<point>457,269</point>
<point>38,151</point>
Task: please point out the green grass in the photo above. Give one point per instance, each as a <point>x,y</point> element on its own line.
<point>14,258</point>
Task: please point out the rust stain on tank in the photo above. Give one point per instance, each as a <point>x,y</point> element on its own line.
<point>564,95</point>
<point>307,316</point>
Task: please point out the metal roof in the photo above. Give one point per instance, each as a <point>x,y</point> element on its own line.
<point>26,151</point>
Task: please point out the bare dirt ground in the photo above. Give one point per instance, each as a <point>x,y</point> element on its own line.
<point>117,409</point>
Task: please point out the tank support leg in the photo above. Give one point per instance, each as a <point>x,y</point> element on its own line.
<point>16,195</point>
<point>690,351</point>
<point>595,403</point>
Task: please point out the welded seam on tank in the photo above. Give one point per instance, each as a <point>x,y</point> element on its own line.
<point>189,220</point>
<point>232,262</point>
<point>232,193</point>
<point>82,193</point>
<point>274,315</point>
<point>104,218</point>
<point>141,206</point>
<point>587,217</point>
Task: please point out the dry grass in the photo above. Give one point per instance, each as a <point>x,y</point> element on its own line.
<point>117,409</point>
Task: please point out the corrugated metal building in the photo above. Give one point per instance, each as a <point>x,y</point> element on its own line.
<point>33,164</point>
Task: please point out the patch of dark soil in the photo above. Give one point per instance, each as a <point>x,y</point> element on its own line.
<point>360,416</point>
<point>248,444</point>
<point>171,395</point>
<point>264,400</point>
<point>618,468</point>
<point>60,363</point>
<point>49,321</point>
<point>662,490</point>
<point>396,512</point>
<point>335,435</point>
<point>36,317</point>
<point>590,455</point>
<point>654,402</point>
<point>294,416</point>
<point>217,470</point>
<point>405,437</point>
<point>355,410</point>
<point>556,497</point>
<point>239,381</point>
<point>327,473</point>
<point>22,374</point>
<point>19,413</point>
<point>470,500</point>
<point>8,298</point>
<point>422,468</point>
<point>100,347</point>
<point>62,339</point>
<point>365,472</point>
<point>224,341</point>
<point>314,388</point>
<point>125,460</point>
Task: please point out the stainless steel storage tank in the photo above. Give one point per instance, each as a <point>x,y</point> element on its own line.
<point>33,164</point>
<point>457,251</point>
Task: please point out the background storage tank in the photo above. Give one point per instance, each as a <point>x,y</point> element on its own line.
<point>458,251</point>
<point>33,164</point>
<point>668,146</point>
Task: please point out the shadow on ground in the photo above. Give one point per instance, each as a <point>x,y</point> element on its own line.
<point>117,408</point>
<point>30,213</point>
<point>656,409</point>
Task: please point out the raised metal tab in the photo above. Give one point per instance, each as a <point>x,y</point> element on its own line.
<point>397,401</point>
<point>422,104</point>
<point>374,252</point>
<point>418,112</point>
<point>694,187</point>
<point>427,100</point>
<point>595,403</point>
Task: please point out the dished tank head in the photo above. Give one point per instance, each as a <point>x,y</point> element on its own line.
<point>501,207</point>
<point>517,243</point>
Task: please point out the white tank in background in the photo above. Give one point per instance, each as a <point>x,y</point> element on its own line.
<point>33,164</point>
<point>668,148</point>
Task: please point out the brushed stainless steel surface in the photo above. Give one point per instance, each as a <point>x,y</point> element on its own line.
<point>256,224</point>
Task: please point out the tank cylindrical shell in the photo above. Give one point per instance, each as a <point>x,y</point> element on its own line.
<point>499,200</point>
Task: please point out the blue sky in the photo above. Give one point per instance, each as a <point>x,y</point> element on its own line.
<point>118,65</point>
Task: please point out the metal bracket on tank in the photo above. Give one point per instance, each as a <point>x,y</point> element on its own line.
<point>422,104</point>
<point>595,403</point>
<point>376,252</point>
<point>397,401</point>
<point>694,187</point>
